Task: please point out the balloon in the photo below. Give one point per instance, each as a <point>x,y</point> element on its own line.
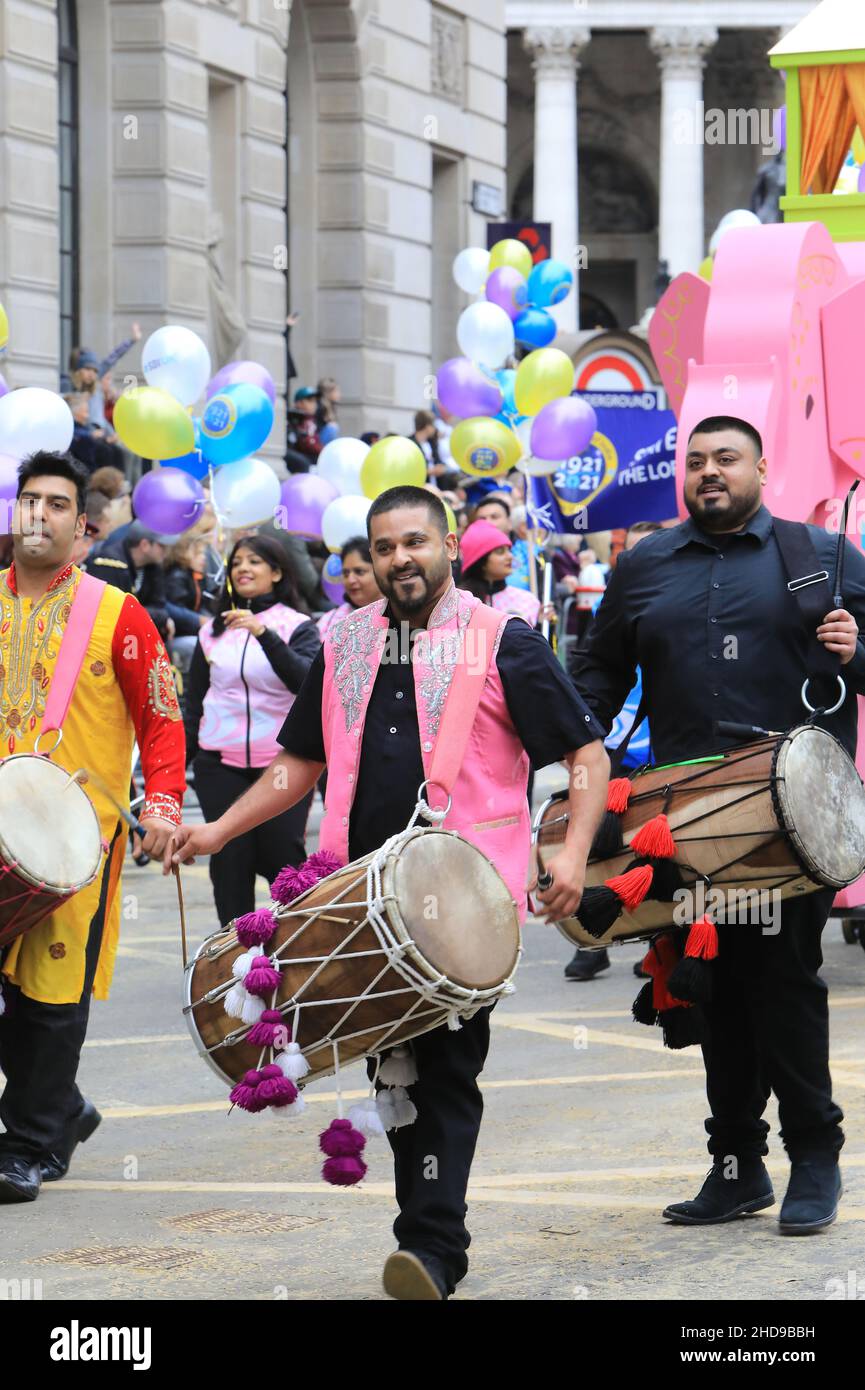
<point>538,468</point>
<point>168,500</point>
<point>470,269</point>
<point>343,518</point>
<point>463,389</point>
<point>329,432</point>
<point>246,493</point>
<point>779,127</point>
<point>484,447</point>
<point>153,424</point>
<point>392,462</point>
<point>535,327</point>
<point>739,217</point>
<point>549,283</point>
<point>340,463</point>
<point>8,490</point>
<point>303,499</point>
<point>235,422</point>
<point>251,372</point>
<point>176,360</point>
<point>563,428</point>
<point>542,377</point>
<point>860,182</point>
<point>507,288</point>
<point>523,431</point>
<point>4,330</point>
<point>858,146</point>
<point>513,253</point>
<point>451,516</point>
<point>4,389</point>
<point>32,419</point>
<point>706,267</point>
<point>193,463</point>
<point>332,569</point>
<point>485,334</point>
<point>506,379</point>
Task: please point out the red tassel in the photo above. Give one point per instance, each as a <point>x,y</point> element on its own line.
<point>659,962</point>
<point>619,794</point>
<point>631,887</point>
<point>654,839</point>
<point>702,939</point>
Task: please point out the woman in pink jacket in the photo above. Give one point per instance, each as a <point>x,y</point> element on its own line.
<point>248,665</point>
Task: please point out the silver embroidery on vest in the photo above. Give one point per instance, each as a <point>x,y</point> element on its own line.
<point>354,640</point>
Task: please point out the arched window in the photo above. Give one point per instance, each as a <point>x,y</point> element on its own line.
<point>68,153</point>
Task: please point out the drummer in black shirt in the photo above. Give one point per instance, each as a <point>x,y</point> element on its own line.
<point>704,609</point>
<point>412,554</point>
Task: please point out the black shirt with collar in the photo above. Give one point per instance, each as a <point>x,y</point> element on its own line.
<point>710,621</point>
<point>550,719</point>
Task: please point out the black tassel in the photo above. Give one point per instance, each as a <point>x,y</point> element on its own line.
<point>691,979</point>
<point>642,1008</point>
<point>681,1027</point>
<point>608,837</point>
<point>598,910</point>
<point>666,879</point>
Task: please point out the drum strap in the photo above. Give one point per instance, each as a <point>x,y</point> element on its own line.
<point>810,587</point>
<point>73,648</point>
<point>464,696</point>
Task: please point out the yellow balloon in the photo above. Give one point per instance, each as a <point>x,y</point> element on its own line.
<point>153,424</point>
<point>484,447</point>
<point>451,516</point>
<point>545,375</point>
<point>4,330</point>
<point>858,146</point>
<point>392,462</point>
<point>706,267</point>
<point>513,253</point>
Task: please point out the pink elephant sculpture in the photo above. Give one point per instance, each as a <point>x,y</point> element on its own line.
<point>777,339</point>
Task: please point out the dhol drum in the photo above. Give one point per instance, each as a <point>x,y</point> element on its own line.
<point>785,814</point>
<point>390,946</point>
<point>50,841</point>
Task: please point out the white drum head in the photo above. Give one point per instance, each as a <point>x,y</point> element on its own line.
<point>822,803</point>
<point>48,826</point>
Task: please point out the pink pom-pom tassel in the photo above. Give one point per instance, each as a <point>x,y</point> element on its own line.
<point>341,1140</point>
<point>265,1032</point>
<point>255,928</point>
<point>323,863</point>
<point>343,1172</point>
<point>291,882</point>
<point>262,979</point>
<point>246,1093</point>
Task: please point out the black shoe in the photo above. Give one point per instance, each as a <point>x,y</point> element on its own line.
<point>587,964</point>
<point>56,1166</point>
<point>412,1277</point>
<point>723,1199</point>
<point>19,1179</point>
<point>812,1196</point>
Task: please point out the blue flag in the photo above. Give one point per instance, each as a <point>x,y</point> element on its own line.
<point>626,474</point>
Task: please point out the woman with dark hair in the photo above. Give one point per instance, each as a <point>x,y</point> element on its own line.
<point>248,665</point>
<point>359,580</point>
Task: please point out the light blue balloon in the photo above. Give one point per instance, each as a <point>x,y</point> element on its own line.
<point>549,283</point>
<point>506,378</point>
<point>536,328</point>
<point>329,432</point>
<point>235,423</point>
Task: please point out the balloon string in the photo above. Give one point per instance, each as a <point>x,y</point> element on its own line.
<point>220,537</point>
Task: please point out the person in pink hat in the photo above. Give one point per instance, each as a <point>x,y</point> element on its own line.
<point>487,561</point>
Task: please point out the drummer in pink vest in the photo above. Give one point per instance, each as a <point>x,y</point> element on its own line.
<point>371,709</point>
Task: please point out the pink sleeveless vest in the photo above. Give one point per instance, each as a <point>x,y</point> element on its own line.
<point>248,708</point>
<point>489,805</point>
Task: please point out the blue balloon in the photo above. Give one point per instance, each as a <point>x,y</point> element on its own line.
<point>194,463</point>
<point>549,283</point>
<point>329,432</point>
<point>506,377</point>
<point>536,328</point>
<point>235,423</point>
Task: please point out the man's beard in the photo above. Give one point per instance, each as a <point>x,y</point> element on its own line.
<point>427,582</point>
<point>722,518</point>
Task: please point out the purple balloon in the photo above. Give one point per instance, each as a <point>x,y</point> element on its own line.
<point>464,390</point>
<point>779,127</point>
<point>168,500</point>
<point>563,428</point>
<point>507,288</point>
<point>8,488</point>
<point>250,372</point>
<point>4,389</point>
<point>861,181</point>
<point>303,498</point>
<point>336,592</point>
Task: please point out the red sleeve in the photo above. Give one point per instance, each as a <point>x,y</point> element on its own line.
<point>147,682</point>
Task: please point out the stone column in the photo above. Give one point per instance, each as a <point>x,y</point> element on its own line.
<point>681,53</point>
<point>555,51</point>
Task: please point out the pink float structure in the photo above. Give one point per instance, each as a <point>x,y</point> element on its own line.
<point>777,336</point>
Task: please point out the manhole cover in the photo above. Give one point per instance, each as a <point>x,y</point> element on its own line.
<point>141,1256</point>
<point>221,1221</point>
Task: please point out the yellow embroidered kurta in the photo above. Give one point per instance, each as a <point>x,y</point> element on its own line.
<point>125,690</point>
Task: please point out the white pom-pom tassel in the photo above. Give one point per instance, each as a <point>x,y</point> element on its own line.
<point>365,1117</point>
<point>253,1007</point>
<point>394,1108</point>
<point>288,1112</point>
<point>292,1062</point>
<point>235,1000</point>
<point>243,964</point>
<point>399,1069</point>
<point>454,1021</point>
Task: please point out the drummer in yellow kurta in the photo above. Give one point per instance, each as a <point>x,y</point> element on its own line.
<point>124,692</point>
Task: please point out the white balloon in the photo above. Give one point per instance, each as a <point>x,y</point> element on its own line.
<point>485,334</point>
<point>339,463</point>
<point>32,419</point>
<point>176,359</point>
<point>343,518</point>
<point>538,468</point>
<point>470,269</point>
<point>523,431</point>
<point>739,217</point>
<point>245,493</point>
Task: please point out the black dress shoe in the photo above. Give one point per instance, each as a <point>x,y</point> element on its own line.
<point>19,1179</point>
<point>412,1277</point>
<point>587,964</point>
<point>55,1166</point>
<point>723,1199</point>
<point>812,1196</point>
